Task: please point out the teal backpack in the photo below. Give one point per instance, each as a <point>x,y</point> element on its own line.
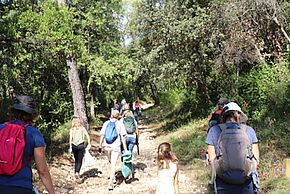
<point>129,125</point>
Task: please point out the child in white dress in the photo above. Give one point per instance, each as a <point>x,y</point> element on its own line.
<point>167,170</point>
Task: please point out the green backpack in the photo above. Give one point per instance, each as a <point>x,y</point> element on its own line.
<point>129,125</point>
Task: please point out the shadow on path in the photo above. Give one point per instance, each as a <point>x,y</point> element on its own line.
<point>94,172</point>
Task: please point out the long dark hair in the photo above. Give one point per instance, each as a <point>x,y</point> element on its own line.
<point>165,154</point>
<point>21,115</point>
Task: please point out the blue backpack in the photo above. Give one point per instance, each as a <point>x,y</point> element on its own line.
<point>111,133</point>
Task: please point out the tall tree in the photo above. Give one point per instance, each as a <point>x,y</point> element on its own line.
<point>75,82</point>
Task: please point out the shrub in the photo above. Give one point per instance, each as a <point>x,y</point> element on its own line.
<point>266,91</point>
<point>172,98</point>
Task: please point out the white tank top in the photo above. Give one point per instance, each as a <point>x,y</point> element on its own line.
<point>165,183</point>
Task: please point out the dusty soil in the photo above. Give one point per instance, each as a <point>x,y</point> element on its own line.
<point>95,179</point>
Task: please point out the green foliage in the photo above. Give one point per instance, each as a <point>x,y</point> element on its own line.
<point>60,140</point>
<point>267,91</point>
<point>188,148</point>
<point>172,98</point>
<point>61,134</point>
<point>35,38</point>
<point>168,43</point>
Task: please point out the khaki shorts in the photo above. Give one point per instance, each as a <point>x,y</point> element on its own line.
<point>112,156</point>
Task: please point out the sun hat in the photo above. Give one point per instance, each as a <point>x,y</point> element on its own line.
<point>25,103</point>
<point>234,106</point>
<point>222,101</point>
<point>115,114</point>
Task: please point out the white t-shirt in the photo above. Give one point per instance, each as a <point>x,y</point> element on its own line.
<point>115,146</point>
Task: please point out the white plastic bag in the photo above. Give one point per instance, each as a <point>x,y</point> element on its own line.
<point>88,160</point>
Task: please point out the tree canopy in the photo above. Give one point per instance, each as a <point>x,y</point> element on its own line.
<point>188,53</point>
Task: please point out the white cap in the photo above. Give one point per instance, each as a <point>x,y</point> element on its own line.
<point>235,106</point>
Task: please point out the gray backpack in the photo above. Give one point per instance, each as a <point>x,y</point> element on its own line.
<point>234,160</point>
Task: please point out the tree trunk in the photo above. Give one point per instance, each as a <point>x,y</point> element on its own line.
<point>76,86</point>
<point>77,92</point>
<point>281,28</point>
<point>92,106</point>
<point>237,80</point>
<point>154,91</point>
<point>204,80</point>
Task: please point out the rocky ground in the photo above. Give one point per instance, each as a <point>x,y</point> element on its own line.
<point>95,178</point>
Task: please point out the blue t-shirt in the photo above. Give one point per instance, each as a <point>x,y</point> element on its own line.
<point>215,131</point>
<point>23,178</point>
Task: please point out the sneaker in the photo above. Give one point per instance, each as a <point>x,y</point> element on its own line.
<point>110,187</point>
<point>77,176</point>
<point>79,181</point>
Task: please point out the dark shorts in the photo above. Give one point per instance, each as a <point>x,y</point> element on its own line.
<point>15,190</point>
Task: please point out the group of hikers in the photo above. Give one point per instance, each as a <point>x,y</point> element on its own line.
<point>118,137</point>
<point>123,105</point>
<point>232,150</point>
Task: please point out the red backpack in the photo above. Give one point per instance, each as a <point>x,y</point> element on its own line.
<point>12,144</point>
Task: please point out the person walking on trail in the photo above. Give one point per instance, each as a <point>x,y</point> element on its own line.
<point>168,170</point>
<point>214,118</point>
<point>233,153</point>
<point>138,107</point>
<point>131,108</point>
<point>136,116</point>
<point>132,137</point>
<point>112,133</point>
<point>132,130</point>
<point>124,105</point>
<point>16,177</point>
<point>77,137</point>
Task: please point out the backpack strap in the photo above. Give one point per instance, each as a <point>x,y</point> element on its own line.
<point>244,127</point>
<point>222,126</point>
<point>27,162</point>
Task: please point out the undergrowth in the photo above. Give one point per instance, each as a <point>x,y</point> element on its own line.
<point>274,148</point>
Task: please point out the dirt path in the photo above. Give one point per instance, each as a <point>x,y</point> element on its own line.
<point>95,179</point>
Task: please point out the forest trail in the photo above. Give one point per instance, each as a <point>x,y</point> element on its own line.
<point>95,178</point>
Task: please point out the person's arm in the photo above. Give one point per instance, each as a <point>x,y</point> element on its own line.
<point>39,157</point>
<point>102,134</point>
<point>137,133</point>
<point>88,137</point>
<point>176,182</point>
<point>256,153</point>
<point>101,140</point>
<point>211,154</point>
<point>137,130</point>
<point>123,139</point>
<point>70,141</point>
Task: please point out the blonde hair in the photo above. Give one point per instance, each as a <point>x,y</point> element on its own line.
<point>165,154</point>
<point>76,122</point>
<point>115,114</point>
